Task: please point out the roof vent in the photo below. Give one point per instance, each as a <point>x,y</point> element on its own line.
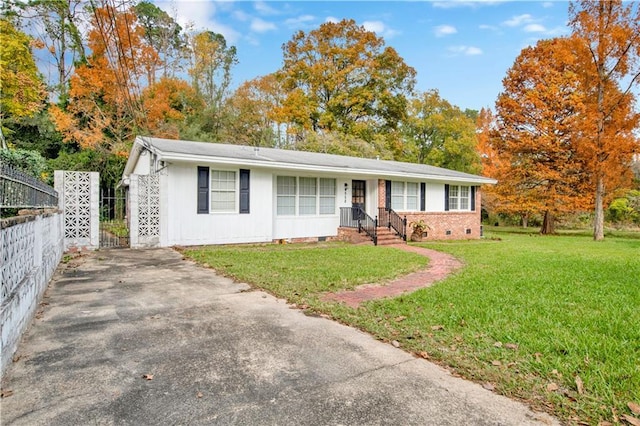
<point>256,150</point>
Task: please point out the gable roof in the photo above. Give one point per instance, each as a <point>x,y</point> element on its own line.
<point>205,152</point>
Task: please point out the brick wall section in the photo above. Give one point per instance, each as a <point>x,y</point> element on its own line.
<point>457,223</point>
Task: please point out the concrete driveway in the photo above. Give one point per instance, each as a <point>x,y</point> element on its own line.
<point>213,353</point>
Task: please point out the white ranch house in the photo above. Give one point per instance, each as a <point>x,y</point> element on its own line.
<point>212,193</point>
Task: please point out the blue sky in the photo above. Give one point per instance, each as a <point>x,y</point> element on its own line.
<point>461,48</point>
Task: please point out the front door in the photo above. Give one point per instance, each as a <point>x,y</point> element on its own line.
<point>358,196</point>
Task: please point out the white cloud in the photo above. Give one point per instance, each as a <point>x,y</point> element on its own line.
<point>261,26</point>
<point>299,21</point>
<point>534,28</point>
<point>240,15</point>
<point>465,50</point>
<point>332,19</point>
<point>265,9</point>
<point>380,28</point>
<point>444,30</point>
<point>450,4</point>
<point>200,15</point>
<point>518,20</point>
<point>547,4</point>
<point>488,27</point>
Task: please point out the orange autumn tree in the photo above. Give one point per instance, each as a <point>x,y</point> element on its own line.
<point>533,148</point>
<point>503,198</point>
<point>166,104</point>
<point>608,33</point>
<point>105,108</point>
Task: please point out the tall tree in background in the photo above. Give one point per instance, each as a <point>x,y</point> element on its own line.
<point>609,34</point>
<point>22,90</point>
<point>210,71</point>
<point>164,34</point>
<point>346,79</point>
<point>105,105</point>
<point>441,134</point>
<point>57,23</point>
<point>540,115</point>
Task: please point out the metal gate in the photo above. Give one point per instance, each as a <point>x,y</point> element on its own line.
<point>114,229</point>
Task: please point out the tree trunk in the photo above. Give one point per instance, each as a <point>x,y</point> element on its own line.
<point>598,220</point>
<point>525,220</point>
<point>548,225</point>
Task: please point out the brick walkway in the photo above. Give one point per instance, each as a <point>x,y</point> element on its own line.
<point>440,265</point>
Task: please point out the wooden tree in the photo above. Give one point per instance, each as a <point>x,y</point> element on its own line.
<point>609,52</point>
<point>539,117</point>
<point>346,79</point>
<point>441,134</point>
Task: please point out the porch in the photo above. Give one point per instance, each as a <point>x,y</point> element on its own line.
<point>386,228</point>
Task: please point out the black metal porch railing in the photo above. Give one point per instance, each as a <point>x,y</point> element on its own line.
<point>355,217</point>
<point>392,220</point>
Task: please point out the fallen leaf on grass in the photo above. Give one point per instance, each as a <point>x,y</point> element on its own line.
<point>489,386</point>
<point>147,376</point>
<point>437,327</point>
<point>579,385</point>
<point>498,344</point>
<point>512,346</point>
<point>496,363</point>
<point>395,343</point>
<point>400,318</point>
<point>605,423</point>
<point>631,420</point>
<point>424,355</point>
<point>552,387</point>
<point>635,408</point>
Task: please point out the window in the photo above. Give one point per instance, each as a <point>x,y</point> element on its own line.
<point>286,195</point>
<point>223,191</point>
<point>397,195</point>
<point>412,195</point>
<point>460,197</point>
<point>307,195</point>
<point>405,195</point>
<point>327,196</point>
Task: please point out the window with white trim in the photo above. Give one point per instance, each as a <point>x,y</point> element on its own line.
<point>286,195</point>
<point>307,196</point>
<point>327,196</point>
<point>405,196</point>
<point>397,195</point>
<point>459,197</point>
<point>413,196</point>
<point>223,191</point>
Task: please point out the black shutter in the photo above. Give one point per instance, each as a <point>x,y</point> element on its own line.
<point>203,190</point>
<point>446,197</point>
<point>423,196</point>
<point>473,198</point>
<point>244,191</point>
<point>387,194</point>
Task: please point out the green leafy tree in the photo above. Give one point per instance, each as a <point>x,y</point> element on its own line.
<point>440,134</point>
<point>22,91</point>
<point>341,77</point>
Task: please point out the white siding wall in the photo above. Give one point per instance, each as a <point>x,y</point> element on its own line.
<point>185,226</point>
<point>143,166</point>
<point>434,193</point>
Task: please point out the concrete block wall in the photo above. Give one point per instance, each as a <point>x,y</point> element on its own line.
<point>31,248</point>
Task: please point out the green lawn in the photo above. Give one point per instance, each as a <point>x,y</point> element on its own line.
<point>525,315</point>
